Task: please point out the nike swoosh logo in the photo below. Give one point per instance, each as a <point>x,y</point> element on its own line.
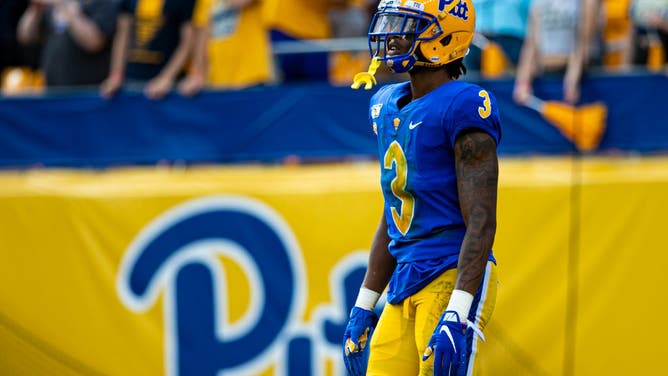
<point>413,126</point>
<point>452,340</point>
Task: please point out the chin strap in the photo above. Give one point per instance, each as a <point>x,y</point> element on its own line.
<point>367,78</point>
<point>427,65</point>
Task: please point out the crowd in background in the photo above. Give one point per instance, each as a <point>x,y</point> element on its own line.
<point>190,45</point>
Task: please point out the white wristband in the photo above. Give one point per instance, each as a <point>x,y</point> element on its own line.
<point>367,299</point>
<point>460,302</point>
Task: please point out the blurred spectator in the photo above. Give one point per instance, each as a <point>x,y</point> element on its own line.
<point>651,21</point>
<point>294,20</point>
<point>617,35</point>
<point>153,42</point>
<point>503,22</point>
<point>76,38</point>
<point>232,46</point>
<point>560,40</point>
<point>350,19</point>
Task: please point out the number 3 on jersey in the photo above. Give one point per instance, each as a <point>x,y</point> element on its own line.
<point>486,109</point>
<point>404,215</point>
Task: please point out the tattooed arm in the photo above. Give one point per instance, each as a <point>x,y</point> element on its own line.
<point>477,176</point>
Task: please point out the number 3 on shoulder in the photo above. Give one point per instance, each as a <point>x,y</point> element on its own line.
<point>486,109</point>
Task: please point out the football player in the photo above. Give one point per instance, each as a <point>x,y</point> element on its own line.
<point>437,142</point>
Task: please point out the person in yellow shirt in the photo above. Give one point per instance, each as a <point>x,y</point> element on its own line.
<point>350,20</point>
<point>232,47</point>
<point>292,20</point>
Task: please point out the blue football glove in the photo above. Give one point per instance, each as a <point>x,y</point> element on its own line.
<point>448,346</point>
<point>356,338</point>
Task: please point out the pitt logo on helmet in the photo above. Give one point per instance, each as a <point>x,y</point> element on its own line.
<point>442,4</point>
<point>461,10</point>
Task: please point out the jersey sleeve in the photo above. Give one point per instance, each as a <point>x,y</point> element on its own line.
<point>202,12</point>
<point>474,108</point>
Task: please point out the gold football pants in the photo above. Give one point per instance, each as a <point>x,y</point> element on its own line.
<point>404,329</point>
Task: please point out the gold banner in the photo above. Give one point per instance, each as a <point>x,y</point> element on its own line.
<point>96,268</point>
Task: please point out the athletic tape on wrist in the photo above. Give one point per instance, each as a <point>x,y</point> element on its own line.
<point>367,299</point>
<point>460,302</point>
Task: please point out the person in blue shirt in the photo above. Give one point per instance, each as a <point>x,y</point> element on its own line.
<point>437,142</point>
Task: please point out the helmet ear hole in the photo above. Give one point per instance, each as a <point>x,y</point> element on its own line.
<point>446,40</point>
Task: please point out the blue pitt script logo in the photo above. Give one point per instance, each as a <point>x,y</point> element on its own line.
<point>442,4</point>
<point>178,255</point>
<point>461,10</point>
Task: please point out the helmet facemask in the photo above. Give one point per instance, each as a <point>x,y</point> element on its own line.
<point>408,24</point>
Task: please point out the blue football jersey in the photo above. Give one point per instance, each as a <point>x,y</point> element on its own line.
<point>418,177</point>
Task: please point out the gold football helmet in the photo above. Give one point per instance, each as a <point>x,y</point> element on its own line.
<point>440,31</point>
